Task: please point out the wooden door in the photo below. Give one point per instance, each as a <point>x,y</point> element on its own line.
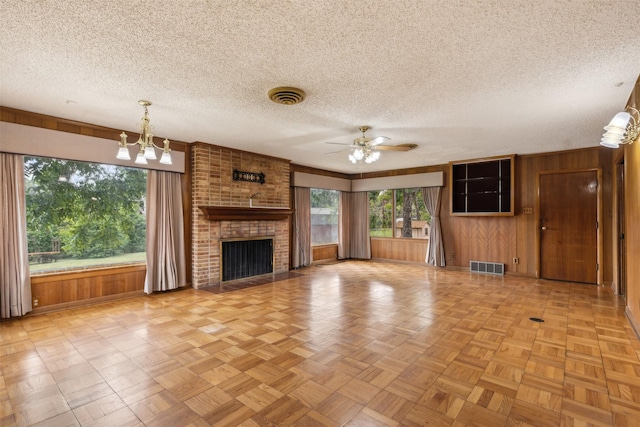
<point>568,226</point>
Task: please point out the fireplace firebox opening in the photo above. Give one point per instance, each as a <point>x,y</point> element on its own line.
<point>246,257</point>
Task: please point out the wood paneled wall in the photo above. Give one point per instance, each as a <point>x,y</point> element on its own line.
<point>62,290</point>
<point>325,252</point>
<point>527,170</point>
<point>491,239</point>
<point>411,250</point>
<point>632,232</point>
<point>632,222</point>
<point>501,239</point>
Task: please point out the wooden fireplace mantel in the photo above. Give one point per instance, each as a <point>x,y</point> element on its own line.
<point>227,213</point>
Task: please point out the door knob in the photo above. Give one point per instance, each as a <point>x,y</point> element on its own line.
<point>544,228</point>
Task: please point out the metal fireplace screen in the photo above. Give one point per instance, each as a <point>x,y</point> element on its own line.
<point>246,258</point>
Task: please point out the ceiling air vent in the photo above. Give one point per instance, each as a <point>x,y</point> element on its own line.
<point>286,95</point>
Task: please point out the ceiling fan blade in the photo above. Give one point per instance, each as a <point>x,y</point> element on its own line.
<point>339,151</point>
<point>379,140</point>
<point>399,147</point>
<point>337,143</point>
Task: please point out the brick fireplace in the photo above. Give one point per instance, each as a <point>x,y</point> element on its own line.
<point>214,186</point>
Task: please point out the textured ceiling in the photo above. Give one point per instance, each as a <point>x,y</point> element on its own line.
<point>462,79</point>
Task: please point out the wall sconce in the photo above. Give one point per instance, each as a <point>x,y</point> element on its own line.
<point>624,128</point>
<point>146,150</point>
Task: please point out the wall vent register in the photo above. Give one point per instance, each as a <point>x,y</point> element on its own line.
<point>486,267</point>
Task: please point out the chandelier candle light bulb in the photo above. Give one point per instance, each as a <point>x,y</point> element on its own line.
<point>123,152</point>
<point>146,147</point>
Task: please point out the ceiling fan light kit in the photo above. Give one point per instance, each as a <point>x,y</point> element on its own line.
<point>366,154</point>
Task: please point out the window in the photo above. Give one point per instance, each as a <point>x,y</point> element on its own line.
<point>381,213</point>
<point>412,219</point>
<point>324,216</point>
<point>82,215</point>
<point>398,213</point>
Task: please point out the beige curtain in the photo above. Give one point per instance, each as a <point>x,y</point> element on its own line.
<point>344,213</point>
<point>166,265</point>
<point>302,255</point>
<point>432,197</point>
<point>353,232</point>
<point>15,279</point>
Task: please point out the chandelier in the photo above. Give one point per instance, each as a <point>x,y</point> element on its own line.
<point>624,128</point>
<point>146,150</point>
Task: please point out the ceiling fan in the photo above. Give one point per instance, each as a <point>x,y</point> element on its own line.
<point>367,150</point>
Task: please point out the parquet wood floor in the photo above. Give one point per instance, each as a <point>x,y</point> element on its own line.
<point>354,343</point>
